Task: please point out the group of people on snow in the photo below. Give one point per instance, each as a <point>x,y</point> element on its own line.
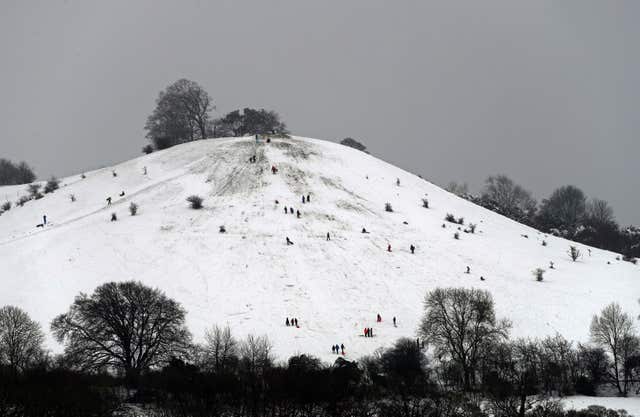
<point>337,348</point>
<point>292,322</point>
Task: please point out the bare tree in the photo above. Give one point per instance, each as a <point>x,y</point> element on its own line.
<point>12,173</point>
<point>20,339</point>
<point>613,330</point>
<point>124,325</point>
<point>255,354</point>
<point>511,198</point>
<point>181,114</point>
<point>220,349</point>
<point>459,189</point>
<point>599,212</point>
<point>565,208</point>
<point>459,322</point>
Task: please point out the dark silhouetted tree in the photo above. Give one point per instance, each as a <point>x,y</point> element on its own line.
<point>613,330</point>
<point>458,323</point>
<point>20,339</point>
<point>564,209</point>
<point>124,325</point>
<point>14,174</point>
<point>181,115</point>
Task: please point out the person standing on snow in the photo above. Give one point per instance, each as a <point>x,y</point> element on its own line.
<point>298,213</point>
<point>379,318</point>
<point>333,348</point>
<point>389,248</point>
<point>303,200</point>
<point>285,210</point>
<point>287,322</point>
<point>413,249</point>
<point>289,242</point>
<point>308,198</point>
<point>328,236</point>
<point>394,321</point>
<point>342,347</point>
<point>44,219</point>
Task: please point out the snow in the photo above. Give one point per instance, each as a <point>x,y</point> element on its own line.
<point>579,402</point>
<point>251,280</point>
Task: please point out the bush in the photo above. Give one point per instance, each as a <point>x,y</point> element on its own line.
<point>574,253</point>
<point>147,149</point>
<point>460,220</point>
<point>539,274</point>
<point>456,235</point>
<point>133,209</point>
<point>6,206</point>
<point>34,191</point>
<point>23,199</point>
<point>196,201</point>
<point>472,227</point>
<point>51,185</point>
<point>425,203</point>
<point>450,218</point>
<point>544,243</point>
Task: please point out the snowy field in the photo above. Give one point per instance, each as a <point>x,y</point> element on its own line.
<point>250,279</point>
<point>579,402</point>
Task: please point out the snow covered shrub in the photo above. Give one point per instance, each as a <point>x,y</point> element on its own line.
<point>472,227</point>
<point>147,149</point>
<point>574,253</point>
<point>23,200</point>
<point>72,197</point>
<point>444,226</point>
<point>115,174</point>
<point>196,201</point>
<point>625,258</point>
<point>133,209</point>
<point>114,217</point>
<point>425,203</point>
<point>539,274</point>
<point>387,207</point>
<point>223,229</point>
<point>544,243</point>
<point>456,235</point>
<point>51,185</point>
<point>460,220</point>
<point>34,191</point>
<point>450,218</point>
<point>83,176</point>
<point>6,206</point>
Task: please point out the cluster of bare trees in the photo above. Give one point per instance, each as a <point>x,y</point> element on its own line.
<point>566,212</point>
<point>127,329</point>
<point>15,173</point>
<point>183,114</point>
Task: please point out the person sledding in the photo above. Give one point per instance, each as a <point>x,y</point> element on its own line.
<point>274,170</point>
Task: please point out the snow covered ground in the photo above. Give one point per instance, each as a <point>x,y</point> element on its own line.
<point>579,402</point>
<point>250,279</point>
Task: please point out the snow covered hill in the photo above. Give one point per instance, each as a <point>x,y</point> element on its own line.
<point>249,278</point>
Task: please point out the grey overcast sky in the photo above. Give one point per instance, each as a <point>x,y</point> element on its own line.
<point>547,92</point>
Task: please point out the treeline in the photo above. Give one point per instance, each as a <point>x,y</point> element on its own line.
<point>128,343</point>
<point>183,114</point>
<point>15,173</point>
<point>567,212</point>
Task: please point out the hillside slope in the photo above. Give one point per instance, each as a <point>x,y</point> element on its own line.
<point>250,279</point>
